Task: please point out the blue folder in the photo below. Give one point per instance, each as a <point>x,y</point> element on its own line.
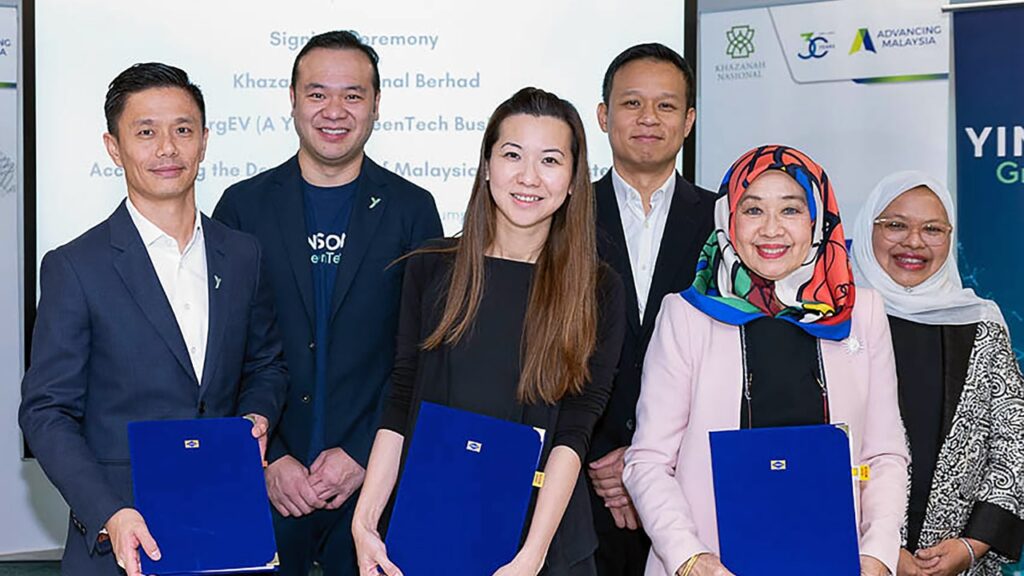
<point>784,501</point>
<point>464,493</point>
<point>199,485</point>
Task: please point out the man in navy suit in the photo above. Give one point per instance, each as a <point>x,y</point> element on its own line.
<point>651,226</point>
<point>332,223</point>
<point>156,313</point>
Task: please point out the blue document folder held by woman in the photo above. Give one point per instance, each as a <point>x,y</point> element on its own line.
<point>463,494</point>
<point>784,501</point>
<point>199,485</point>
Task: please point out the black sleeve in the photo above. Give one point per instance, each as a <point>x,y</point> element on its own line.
<point>225,211</point>
<point>997,527</point>
<point>427,225</point>
<point>579,413</point>
<point>395,416</point>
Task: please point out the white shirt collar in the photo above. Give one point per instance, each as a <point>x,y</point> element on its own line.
<point>150,232</point>
<point>627,193</point>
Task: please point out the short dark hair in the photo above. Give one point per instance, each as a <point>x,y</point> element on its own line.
<point>339,40</point>
<point>652,51</point>
<point>144,76</point>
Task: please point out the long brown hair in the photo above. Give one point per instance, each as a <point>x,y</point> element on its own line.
<point>560,329</point>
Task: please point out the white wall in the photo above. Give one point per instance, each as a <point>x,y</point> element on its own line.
<point>569,55</point>
<point>34,516</point>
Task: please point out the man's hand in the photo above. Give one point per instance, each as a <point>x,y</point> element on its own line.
<point>127,532</point>
<point>260,427</point>
<point>606,476</point>
<point>334,474</point>
<point>289,488</point>
<point>625,516</point>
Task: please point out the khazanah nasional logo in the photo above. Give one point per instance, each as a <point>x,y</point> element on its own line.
<point>740,65</point>
<point>818,45</point>
<point>741,41</point>
<point>862,41</point>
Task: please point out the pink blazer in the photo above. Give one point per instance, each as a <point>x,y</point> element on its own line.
<point>692,384</point>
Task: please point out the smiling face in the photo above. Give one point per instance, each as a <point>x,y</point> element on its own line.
<point>772,226</point>
<point>334,106</point>
<point>160,143</point>
<point>530,170</point>
<point>647,116</point>
<point>915,254</point>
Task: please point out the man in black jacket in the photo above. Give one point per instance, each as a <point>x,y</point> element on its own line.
<point>651,225</point>
<point>333,223</point>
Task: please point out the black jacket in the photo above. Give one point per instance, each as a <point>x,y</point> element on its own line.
<point>390,216</point>
<point>422,375</point>
<point>689,224</point>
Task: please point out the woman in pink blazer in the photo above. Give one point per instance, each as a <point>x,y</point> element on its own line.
<point>768,335</point>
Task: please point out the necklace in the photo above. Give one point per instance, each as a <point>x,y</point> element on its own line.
<point>748,381</point>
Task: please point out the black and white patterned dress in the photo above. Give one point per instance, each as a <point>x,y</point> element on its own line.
<point>977,489</point>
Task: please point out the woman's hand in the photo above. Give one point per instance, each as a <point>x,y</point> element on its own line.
<point>907,565</point>
<point>871,566</point>
<point>381,475</point>
<point>370,552</point>
<point>949,557</point>
<point>709,565</point>
<point>524,564</point>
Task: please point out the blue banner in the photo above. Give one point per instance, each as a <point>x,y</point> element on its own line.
<point>988,54</point>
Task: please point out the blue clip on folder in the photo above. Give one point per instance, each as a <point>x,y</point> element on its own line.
<point>784,501</point>
<point>199,485</point>
<point>464,493</point>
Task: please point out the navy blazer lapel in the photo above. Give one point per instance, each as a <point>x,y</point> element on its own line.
<point>680,233</point>
<point>368,207</point>
<point>136,270</point>
<point>291,220</point>
<point>611,234</point>
<point>216,272</point>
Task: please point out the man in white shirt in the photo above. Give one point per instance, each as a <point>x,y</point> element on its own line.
<point>651,225</point>
<point>155,313</point>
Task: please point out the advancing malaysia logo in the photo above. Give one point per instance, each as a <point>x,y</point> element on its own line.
<point>899,37</point>
<point>741,41</point>
<point>910,36</point>
<point>862,41</point>
<point>818,45</point>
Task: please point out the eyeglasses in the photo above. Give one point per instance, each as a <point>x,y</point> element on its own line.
<point>931,233</point>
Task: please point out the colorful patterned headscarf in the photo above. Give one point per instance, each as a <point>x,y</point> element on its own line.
<point>818,296</point>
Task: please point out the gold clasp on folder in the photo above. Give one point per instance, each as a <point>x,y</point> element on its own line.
<point>862,473</point>
<point>191,444</point>
<point>538,479</point>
